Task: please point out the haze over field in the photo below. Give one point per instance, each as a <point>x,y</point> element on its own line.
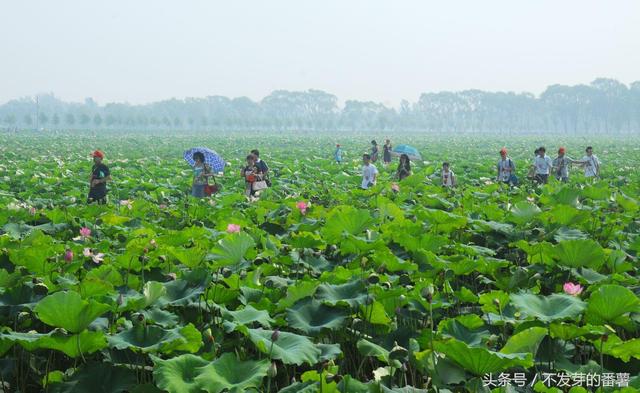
<point>144,51</point>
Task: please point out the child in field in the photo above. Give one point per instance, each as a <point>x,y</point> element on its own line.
<point>561,165</point>
<point>337,155</point>
<point>506,169</point>
<point>543,165</point>
<point>201,174</point>
<point>100,175</point>
<point>447,176</point>
<point>591,164</point>
<point>369,172</point>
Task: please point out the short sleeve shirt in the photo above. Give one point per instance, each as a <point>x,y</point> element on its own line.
<point>368,175</point>
<point>506,167</point>
<point>543,165</point>
<point>100,171</point>
<point>591,165</point>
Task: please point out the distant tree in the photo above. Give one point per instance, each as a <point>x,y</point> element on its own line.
<point>27,120</point>
<point>55,120</point>
<point>10,119</point>
<point>85,119</point>
<point>97,120</point>
<point>43,119</point>
<point>70,119</point>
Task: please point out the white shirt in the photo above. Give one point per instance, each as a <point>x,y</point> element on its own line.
<point>369,173</point>
<point>447,178</point>
<point>505,167</point>
<point>543,165</point>
<point>591,165</point>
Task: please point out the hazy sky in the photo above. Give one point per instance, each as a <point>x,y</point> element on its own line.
<point>145,50</point>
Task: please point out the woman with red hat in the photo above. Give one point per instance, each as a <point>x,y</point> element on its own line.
<point>561,165</point>
<point>100,175</point>
<point>506,169</point>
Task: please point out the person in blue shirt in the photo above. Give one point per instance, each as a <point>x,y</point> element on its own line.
<point>337,155</point>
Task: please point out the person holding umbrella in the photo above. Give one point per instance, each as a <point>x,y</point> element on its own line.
<point>201,174</point>
<point>205,163</point>
<point>100,175</point>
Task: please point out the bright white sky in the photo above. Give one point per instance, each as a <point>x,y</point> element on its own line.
<point>384,50</point>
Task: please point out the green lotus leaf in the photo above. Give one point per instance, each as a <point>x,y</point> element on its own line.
<point>227,373</point>
<point>34,252</point>
<point>113,219</point>
<point>313,317</point>
<point>455,329</point>
<point>178,374</point>
<point>190,257</point>
<point>527,341</point>
<point>152,338</point>
<point>248,315</point>
<point>367,348</point>
<point>345,220</point>
<point>566,215</point>
<point>352,293</point>
<point>329,351</point>
<point>181,292</point>
<point>71,345</point>
<point>160,317</point>
<point>618,348</point>
<point>481,361</point>
<point>69,311</point>
<point>442,220</point>
<point>609,303</point>
<point>568,331</point>
<point>523,212</point>
<point>97,378</point>
<point>289,348</point>
<point>232,249</point>
<point>579,253</point>
<point>548,308</point>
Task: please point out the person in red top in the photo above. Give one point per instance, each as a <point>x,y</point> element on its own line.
<point>100,175</point>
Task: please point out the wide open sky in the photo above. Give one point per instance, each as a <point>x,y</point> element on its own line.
<point>384,50</point>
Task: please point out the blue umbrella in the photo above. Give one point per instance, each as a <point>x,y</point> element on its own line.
<point>411,151</point>
<point>211,158</point>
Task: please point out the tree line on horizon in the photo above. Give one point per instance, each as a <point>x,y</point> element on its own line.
<point>603,106</point>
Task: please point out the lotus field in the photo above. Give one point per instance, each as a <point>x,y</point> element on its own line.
<point>318,286</point>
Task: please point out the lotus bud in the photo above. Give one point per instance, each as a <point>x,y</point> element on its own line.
<point>275,335</point>
<point>120,300</point>
<point>208,335</point>
<point>427,293</point>
<point>68,255</point>
<point>363,262</point>
<point>496,301</point>
<point>146,250</point>
<point>402,298</point>
<point>373,278</point>
<point>398,352</point>
<point>272,372</point>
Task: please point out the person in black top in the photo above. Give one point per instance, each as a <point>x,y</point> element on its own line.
<point>374,151</point>
<point>386,152</point>
<point>100,175</point>
<point>404,167</point>
<point>262,166</point>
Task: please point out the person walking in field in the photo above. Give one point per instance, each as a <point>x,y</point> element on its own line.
<point>404,167</point>
<point>447,176</point>
<point>201,174</point>
<point>543,165</point>
<point>337,155</point>
<point>374,151</point>
<point>506,169</point>
<point>100,175</point>
<point>369,173</point>
<point>250,175</point>
<point>386,152</point>
<point>561,165</point>
<point>591,164</point>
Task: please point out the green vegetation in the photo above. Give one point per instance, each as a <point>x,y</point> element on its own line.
<point>362,291</point>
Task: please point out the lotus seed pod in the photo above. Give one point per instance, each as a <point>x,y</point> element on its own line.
<point>373,278</point>
<point>226,272</point>
<point>404,279</point>
<point>40,289</point>
<point>275,335</point>
<point>398,352</point>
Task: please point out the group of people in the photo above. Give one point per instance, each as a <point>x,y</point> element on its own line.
<point>256,171</point>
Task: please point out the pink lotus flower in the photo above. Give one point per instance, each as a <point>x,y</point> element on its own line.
<point>68,255</point>
<point>233,228</point>
<point>395,187</point>
<point>127,203</point>
<point>162,206</point>
<point>572,289</point>
<point>85,232</point>
<point>32,211</point>
<point>87,252</point>
<point>302,206</point>
<point>153,243</point>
